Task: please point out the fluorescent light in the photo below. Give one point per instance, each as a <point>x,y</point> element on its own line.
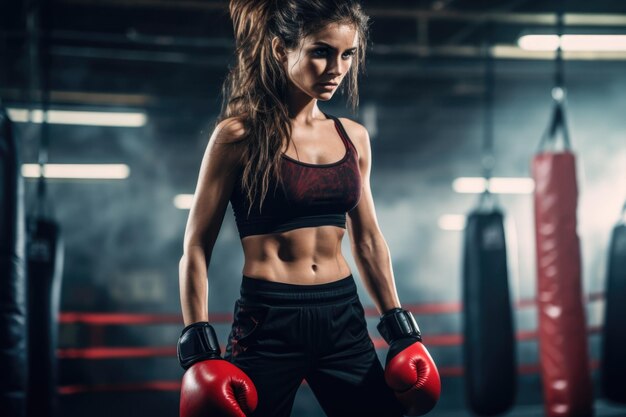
<point>538,42</point>
<point>452,222</point>
<point>609,43</point>
<point>594,42</point>
<point>84,118</point>
<point>476,185</point>
<point>78,171</point>
<point>183,201</point>
<point>469,185</point>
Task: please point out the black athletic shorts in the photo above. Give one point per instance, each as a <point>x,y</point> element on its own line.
<point>283,334</point>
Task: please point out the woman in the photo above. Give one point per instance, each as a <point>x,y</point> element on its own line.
<point>292,173</point>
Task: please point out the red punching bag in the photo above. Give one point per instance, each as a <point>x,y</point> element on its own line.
<point>563,349</point>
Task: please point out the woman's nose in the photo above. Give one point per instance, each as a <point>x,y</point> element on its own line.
<point>337,66</point>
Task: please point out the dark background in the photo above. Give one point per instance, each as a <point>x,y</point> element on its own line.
<point>422,99</point>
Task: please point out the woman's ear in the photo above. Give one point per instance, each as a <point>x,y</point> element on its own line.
<point>278,50</point>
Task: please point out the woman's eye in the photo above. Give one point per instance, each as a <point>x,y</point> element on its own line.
<point>322,52</point>
<point>319,52</point>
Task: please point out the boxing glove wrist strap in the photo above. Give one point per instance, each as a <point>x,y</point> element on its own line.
<point>397,324</point>
<point>197,342</point>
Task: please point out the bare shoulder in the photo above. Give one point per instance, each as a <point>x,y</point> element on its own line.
<point>225,149</point>
<point>230,130</point>
<point>358,134</point>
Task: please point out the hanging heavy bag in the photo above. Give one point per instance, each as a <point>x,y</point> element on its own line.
<point>489,339</point>
<point>614,337</point>
<point>563,350</point>
<point>45,266</point>
<point>13,346</point>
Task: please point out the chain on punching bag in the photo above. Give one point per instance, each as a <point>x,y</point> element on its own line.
<point>563,349</point>
<point>614,337</point>
<point>13,333</point>
<point>489,337</point>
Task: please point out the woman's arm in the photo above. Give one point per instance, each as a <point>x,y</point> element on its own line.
<point>409,369</point>
<point>369,248</point>
<point>218,172</point>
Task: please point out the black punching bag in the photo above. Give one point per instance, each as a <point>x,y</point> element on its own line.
<point>489,339</point>
<point>614,336</point>
<point>45,266</point>
<point>13,342</point>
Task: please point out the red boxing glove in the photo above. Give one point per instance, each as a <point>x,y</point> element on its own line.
<point>410,371</point>
<point>216,388</point>
<point>211,386</point>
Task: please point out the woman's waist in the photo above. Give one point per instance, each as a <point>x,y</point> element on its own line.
<point>255,291</point>
<point>302,271</point>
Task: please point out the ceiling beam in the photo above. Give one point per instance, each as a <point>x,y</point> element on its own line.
<point>542,19</point>
<point>83,97</point>
<point>155,4</point>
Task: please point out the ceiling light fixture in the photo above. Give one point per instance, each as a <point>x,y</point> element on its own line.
<point>452,222</point>
<point>83,118</point>
<point>497,185</point>
<point>78,171</point>
<point>573,42</point>
<point>183,201</point>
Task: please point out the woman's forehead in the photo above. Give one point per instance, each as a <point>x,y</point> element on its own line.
<point>337,35</point>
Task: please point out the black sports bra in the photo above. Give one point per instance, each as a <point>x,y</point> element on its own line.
<point>311,194</point>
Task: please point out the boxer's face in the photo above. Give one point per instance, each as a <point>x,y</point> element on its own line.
<point>321,58</point>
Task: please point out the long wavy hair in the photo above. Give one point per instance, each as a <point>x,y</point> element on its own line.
<point>255,89</point>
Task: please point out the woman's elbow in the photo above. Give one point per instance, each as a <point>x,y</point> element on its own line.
<point>193,259</point>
